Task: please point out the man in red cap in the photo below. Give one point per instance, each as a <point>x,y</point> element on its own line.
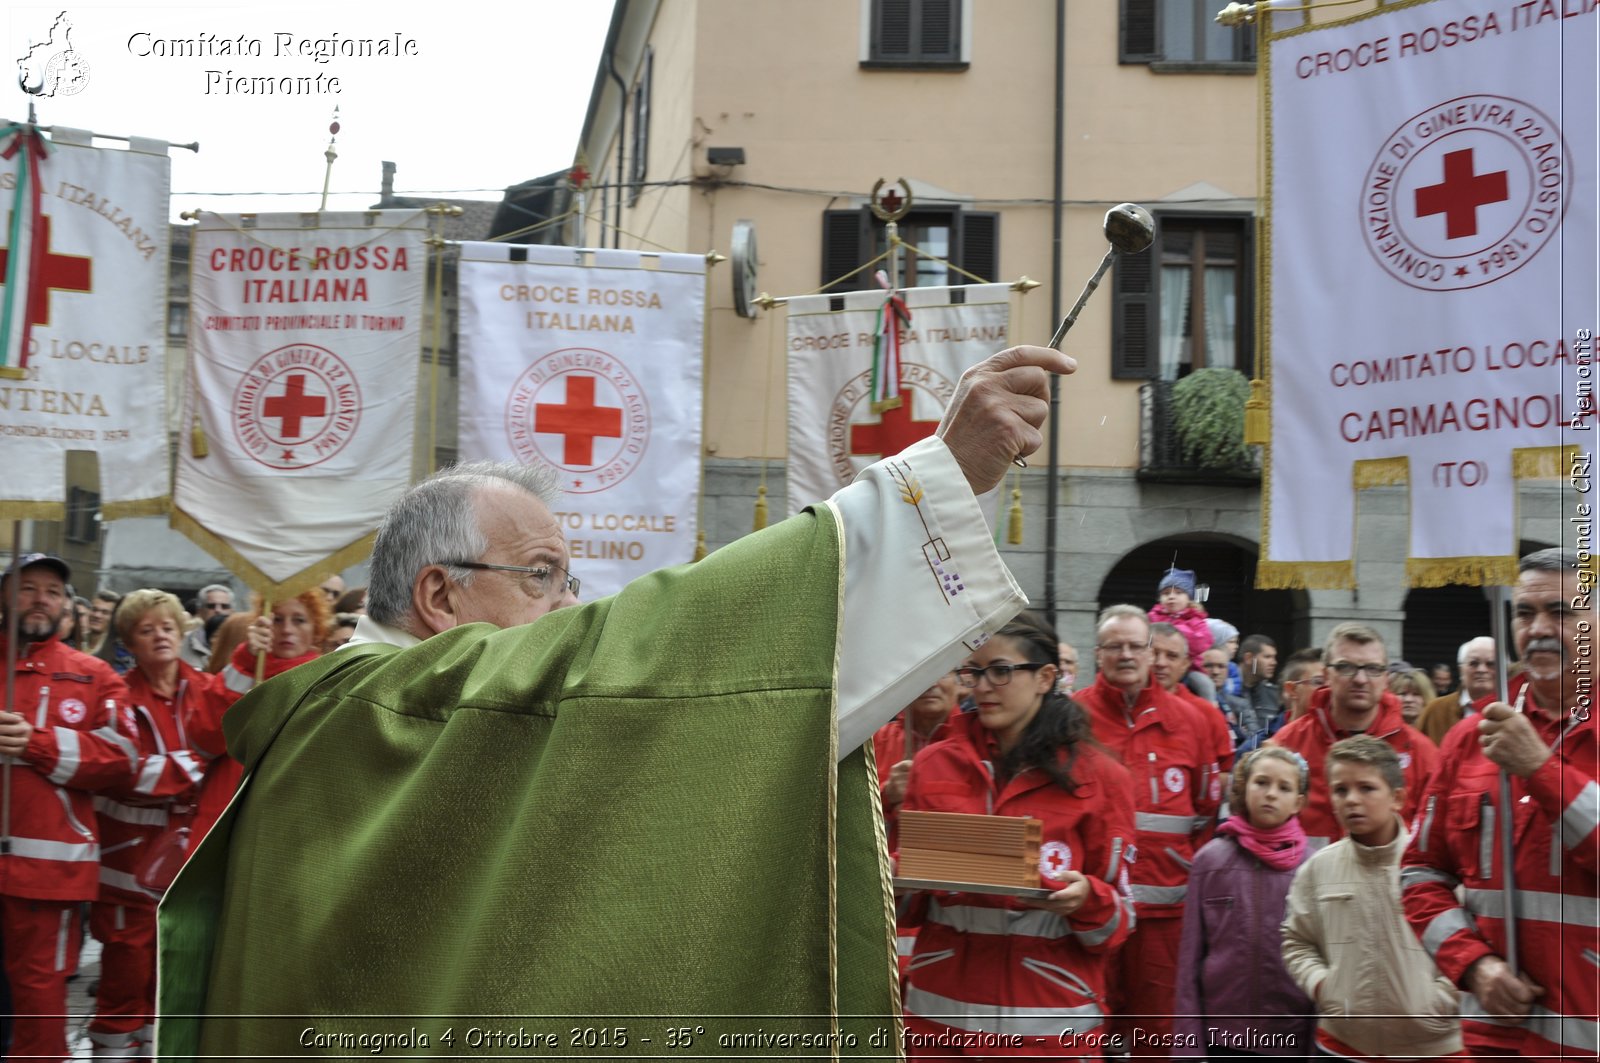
<point>59,740</point>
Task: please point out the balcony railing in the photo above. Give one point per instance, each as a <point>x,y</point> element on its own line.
<point>1161,455</point>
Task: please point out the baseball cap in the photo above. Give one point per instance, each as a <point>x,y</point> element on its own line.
<point>50,561</point>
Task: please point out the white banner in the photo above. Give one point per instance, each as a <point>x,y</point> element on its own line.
<point>590,361</point>
<point>96,319</point>
<point>1433,287</point>
<point>303,352</point>
<point>833,433</point>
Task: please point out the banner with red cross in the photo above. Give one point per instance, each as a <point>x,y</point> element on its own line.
<point>83,285</point>
<point>300,402</point>
<point>833,431</point>
<point>589,361</point>
<point>1431,275</point>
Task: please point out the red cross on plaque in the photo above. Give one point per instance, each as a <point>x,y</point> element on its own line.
<point>579,420</point>
<point>1460,194</point>
<point>294,405</point>
<point>896,432</point>
<point>62,273</point>
<point>890,201</point>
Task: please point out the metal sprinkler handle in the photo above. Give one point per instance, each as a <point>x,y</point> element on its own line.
<point>1130,229</point>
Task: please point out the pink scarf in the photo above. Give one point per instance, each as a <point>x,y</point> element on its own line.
<point>1281,848</point>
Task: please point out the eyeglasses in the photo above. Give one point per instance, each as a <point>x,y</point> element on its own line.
<point>1120,648</point>
<point>997,674</point>
<point>217,607</point>
<point>544,575</point>
<point>1348,669</point>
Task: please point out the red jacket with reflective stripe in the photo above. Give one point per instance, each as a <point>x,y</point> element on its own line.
<point>1175,763</point>
<point>1008,953</point>
<point>137,820</point>
<point>1556,846</point>
<point>1313,734</point>
<point>203,724</point>
<point>72,701</point>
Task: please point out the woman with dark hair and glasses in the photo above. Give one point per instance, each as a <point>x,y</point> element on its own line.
<point>998,975</point>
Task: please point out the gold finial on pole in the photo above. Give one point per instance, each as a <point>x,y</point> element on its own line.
<point>330,155</point>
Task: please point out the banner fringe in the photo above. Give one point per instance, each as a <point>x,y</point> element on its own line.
<point>1543,463</point>
<point>25,509</point>
<point>1471,571</point>
<point>253,577</point>
<point>138,507</point>
<point>1380,472</point>
<point>1305,575</point>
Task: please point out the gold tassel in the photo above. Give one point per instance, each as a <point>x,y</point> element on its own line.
<point>1257,429</point>
<point>700,550</point>
<point>1014,531</point>
<point>761,507</point>
<point>197,440</point>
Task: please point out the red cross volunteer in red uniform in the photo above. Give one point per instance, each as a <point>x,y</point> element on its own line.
<point>1355,701</point>
<point>1172,759</point>
<point>993,975</point>
<point>1550,750</point>
<point>61,741</point>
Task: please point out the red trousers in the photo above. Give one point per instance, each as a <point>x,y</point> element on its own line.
<point>41,949</point>
<point>127,1000</point>
<point>1143,984</point>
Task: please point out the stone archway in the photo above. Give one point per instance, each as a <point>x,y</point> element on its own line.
<point>1228,566</point>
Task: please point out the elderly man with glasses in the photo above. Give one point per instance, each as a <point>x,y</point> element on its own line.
<point>496,801</point>
<point>213,600</point>
<point>1355,701</point>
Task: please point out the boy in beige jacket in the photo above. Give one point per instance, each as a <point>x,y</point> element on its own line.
<point>1345,938</point>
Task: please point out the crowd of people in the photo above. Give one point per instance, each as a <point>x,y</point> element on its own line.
<point>119,772</point>
<point>1236,859</point>
<point>1248,866</point>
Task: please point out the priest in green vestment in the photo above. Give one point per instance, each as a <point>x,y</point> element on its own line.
<point>503,823</point>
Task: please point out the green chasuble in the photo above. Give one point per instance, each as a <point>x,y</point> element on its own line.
<point>623,821</point>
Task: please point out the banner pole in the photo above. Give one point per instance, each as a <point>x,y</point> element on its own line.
<point>13,594</point>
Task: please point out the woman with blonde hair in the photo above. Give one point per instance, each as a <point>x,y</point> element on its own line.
<point>146,827</point>
<point>1415,690</point>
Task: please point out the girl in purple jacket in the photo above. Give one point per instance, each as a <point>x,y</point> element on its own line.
<point>1235,997</point>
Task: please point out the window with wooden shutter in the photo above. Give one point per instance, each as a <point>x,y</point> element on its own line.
<point>1183,35</point>
<point>641,127</point>
<point>1133,352</point>
<point>969,239</point>
<point>1188,302</point>
<point>915,33</point>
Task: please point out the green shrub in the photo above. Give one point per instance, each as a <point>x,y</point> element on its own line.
<point>1208,416</point>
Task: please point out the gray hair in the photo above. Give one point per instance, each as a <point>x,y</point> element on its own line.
<point>200,598</point>
<point>1552,559</point>
<point>435,521</point>
<point>1119,612</point>
<point>1466,647</point>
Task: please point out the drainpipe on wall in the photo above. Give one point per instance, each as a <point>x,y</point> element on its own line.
<point>1052,485</point>
<point>622,129</point>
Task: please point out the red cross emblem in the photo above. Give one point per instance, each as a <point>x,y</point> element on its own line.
<point>1055,859</point>
<point>294,405</point>
<point>894,433</point>
<point>1461,193</point>
<point>62,273</point>
<point>579,421</point>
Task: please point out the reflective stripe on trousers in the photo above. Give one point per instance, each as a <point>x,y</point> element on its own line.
<point>1002,1018</point>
